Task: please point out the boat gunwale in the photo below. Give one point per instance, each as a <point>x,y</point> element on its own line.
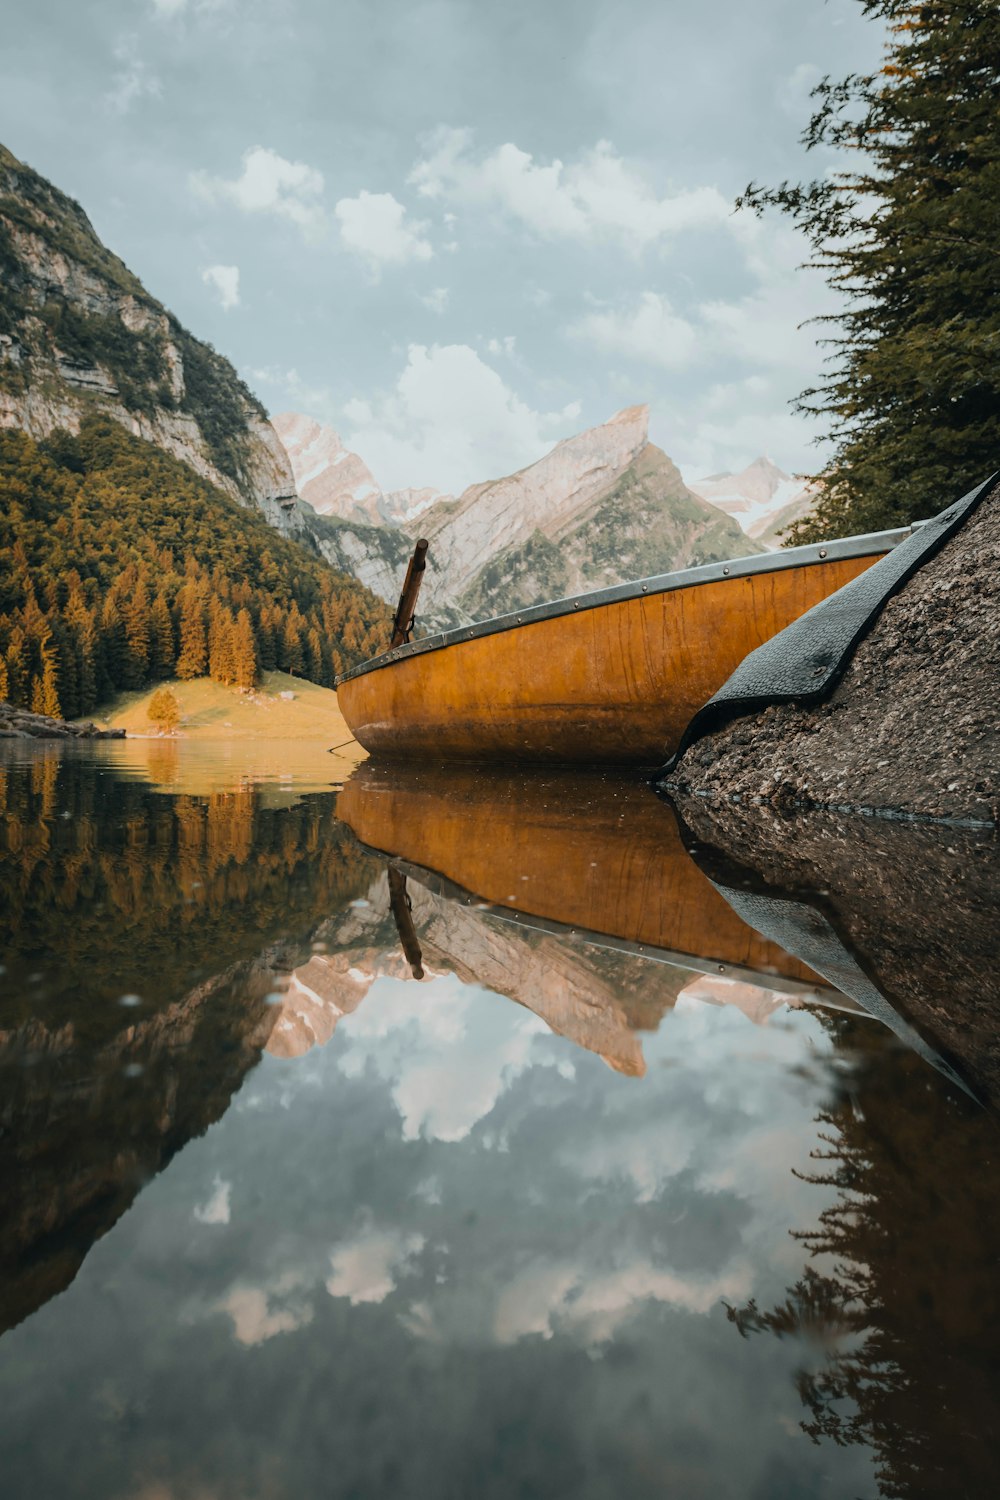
<point>730,569</point>
<point>443,886</point>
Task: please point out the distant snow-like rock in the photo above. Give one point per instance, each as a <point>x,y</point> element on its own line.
<point>762,498</point>
<point>333,480</point>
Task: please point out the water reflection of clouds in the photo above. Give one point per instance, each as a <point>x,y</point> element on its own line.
<point>448,1051</point>
<point>592,1304</point>
<point>365,1267</point>
<point>550,1288</point>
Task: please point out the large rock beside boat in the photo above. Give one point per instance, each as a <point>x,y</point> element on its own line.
<point>912,726</point>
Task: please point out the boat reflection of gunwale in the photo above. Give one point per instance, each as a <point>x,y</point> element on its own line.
<point>595,858</point>
<point>439,885</point>
<point>614,675</point>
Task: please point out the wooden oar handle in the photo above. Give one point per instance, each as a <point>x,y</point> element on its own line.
<point>403,623</point>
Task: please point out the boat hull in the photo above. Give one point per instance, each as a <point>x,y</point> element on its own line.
<point>599,858</point>
<point>601,679</point>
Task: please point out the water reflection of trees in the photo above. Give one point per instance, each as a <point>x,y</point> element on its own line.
<point>108,886</point>
<point>194,905</point>
<point>901,1303</point>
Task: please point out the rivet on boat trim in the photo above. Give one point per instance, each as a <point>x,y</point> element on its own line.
<point>726,571</point>
<point>822,552</point>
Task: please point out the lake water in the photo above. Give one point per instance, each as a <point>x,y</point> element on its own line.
<point>516,1165</point>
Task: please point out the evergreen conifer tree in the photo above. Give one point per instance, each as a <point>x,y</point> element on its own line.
<point>244,652</point>
<point>908,231</point>
<point>49,681</point>
<point>137,636</point>
<point>113,644</point>
<point>82,630</point>
<point>161,645</point>
<point>192,660</point>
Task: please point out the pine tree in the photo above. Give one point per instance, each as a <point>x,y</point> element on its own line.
<point>50,681</point>
<point>82,630</point>
<point>113,644</point>
<point>245,654</point>
<point>4,681</point>
<point>162,654</point>
<point>15,662</point>
<point>192,660</point>
<point>137,636</point>
<point>291,654</point>
<point>909,235</point>
<point>221,645</point>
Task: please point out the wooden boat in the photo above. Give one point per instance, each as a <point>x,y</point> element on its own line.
<point>610,676</point>
<point>598,859</point>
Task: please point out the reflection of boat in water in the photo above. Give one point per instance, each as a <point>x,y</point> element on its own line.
<point>563,852</point>
<point>614,675</point>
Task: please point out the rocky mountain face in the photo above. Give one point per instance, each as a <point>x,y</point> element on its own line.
<point>79,334</point>
<point>761,497</point>
<point>338,483</point>
<point>603,507</point>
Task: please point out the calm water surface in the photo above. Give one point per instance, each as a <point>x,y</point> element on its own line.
<point>592,1208</point>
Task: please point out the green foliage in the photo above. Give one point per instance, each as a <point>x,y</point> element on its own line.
<point>119,566</point>
<point>908,231</point>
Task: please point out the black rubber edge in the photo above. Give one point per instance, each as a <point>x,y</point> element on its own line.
<point>804,662</point>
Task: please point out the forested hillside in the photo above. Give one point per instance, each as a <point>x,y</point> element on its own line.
<point>119,566</point>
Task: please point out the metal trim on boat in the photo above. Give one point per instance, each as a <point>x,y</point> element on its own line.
<point>439,885</point>
<point>738,567</point>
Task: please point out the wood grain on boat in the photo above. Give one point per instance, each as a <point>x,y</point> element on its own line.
<point>596,682</point>
<point>594,855</point>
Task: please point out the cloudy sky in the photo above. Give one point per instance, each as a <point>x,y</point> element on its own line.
<point>456,230</point>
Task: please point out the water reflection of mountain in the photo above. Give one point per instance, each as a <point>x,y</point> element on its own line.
<point>599,997</point>
<point>190,907</point>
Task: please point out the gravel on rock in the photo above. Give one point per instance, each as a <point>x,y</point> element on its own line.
<point>913,726</point>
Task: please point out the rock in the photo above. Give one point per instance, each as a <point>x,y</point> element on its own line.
<point>913,725</point>
<point>21,724</point>
<point>56,255</point>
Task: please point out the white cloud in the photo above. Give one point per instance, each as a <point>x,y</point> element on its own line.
<point>226,282</point>
<point>133,79</point>
<point>270,184</point>
<point>436,299</point>
<point>255,1316</point>
<point>450,1052</point>
<point>364,1269</point>
<point>650,331</point>
<point>594,1303</point>
<point>217,1209</point>
<point>507,345</point>
<point>373,225</point>
<point>297,392</point>
<point>449,420</point>
<point>598,196</point>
